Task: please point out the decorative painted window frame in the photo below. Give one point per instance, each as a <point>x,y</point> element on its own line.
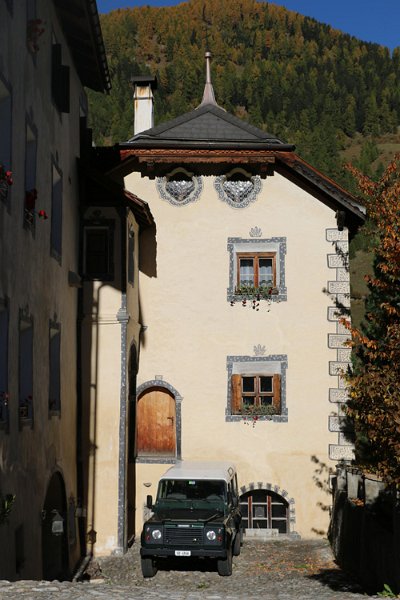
<point>260,365</point>
<point>161,183</point>
<point>250,197</point>
<point>178,414</point>
<point>277,245</point>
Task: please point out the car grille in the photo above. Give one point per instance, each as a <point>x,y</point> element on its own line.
<point>186,536</point>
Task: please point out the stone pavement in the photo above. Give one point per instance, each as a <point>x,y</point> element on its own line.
<point>282,570</point>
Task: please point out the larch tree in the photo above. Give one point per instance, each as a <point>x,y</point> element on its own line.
<point>374,405</point>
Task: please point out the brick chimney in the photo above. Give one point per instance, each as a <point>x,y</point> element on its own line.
<point>143,86</point>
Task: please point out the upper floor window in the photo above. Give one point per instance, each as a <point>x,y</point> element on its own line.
<point>30,175</point>
<point>5,138</point>
<point>98,258</point>
<point>25,368</point>
<point>54,368</point>
<point>257,268</point>
<point>56,211</point>
<point>60,80</point>
<point>4,324</point>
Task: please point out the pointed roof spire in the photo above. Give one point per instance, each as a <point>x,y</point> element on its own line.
<point>208,95</point>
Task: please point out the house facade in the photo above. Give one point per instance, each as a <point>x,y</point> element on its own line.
<point>242,289</point>
<point>48,52</point>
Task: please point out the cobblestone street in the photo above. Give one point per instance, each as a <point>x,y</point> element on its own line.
<point>300,570</point>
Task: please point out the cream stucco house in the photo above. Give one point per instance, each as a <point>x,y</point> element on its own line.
<point>242,346</point>
<point>49,50</point>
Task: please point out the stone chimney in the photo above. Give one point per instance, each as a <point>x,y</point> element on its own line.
<point>143,86</point>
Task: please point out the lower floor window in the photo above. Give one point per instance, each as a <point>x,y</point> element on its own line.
<point>257,387</point>
<point>256,394</point>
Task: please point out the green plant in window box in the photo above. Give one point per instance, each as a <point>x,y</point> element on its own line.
<point>250,295</point>
<point>251,414</point>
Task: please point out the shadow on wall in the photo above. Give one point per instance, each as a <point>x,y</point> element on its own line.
<point>322,476</point>
<point>110,216</point>
<point>148,252</point>
<point>364,531</point>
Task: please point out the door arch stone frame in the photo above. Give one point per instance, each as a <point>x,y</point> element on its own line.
<point>178,420</point>
<point>269,487</point>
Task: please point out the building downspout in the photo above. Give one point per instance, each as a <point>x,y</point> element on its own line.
<point>123,318</point>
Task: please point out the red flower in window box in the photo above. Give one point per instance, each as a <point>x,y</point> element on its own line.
<point>34,30</point>
<point>43,214</point>
<point>5,176</point>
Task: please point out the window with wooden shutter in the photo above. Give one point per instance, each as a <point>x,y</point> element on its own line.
<point>254,394</point>
<point>236,382</point>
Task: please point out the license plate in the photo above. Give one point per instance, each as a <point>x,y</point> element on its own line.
<point>183,553</point>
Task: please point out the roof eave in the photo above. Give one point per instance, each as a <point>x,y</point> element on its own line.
<point>81,25</point>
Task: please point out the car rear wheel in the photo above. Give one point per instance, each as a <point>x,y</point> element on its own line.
<point>149,568</point>
<point>224,566</point>
<point>237,543</point>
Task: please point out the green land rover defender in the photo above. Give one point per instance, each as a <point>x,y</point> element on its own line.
<point>196,514</point>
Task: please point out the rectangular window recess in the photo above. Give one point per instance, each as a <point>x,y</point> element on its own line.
<point>257,388</point>
<point>257,269</point>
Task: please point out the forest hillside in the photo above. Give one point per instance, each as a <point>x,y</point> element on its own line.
<point>336,97</point>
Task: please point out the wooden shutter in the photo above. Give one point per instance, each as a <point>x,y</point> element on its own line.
<point>277,393</point>
<point>236,381</point>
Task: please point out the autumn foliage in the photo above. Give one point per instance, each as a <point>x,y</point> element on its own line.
<point>374,405</point>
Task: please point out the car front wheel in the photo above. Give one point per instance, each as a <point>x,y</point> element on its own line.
<point>224,566</point>
<point>149,568</point>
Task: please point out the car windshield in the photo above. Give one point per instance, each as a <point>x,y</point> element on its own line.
<point>192,493</point>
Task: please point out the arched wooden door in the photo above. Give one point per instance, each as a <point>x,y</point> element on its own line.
<point>156,423</point>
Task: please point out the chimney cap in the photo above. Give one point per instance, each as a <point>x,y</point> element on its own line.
<point>145,79</point>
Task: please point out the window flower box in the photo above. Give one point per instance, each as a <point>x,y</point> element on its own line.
<point>34,30</point>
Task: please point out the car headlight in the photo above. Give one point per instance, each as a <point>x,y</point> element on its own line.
<point>211,535</point>
<point>156,534</point>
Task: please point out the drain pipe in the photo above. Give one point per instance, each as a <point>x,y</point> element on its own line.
<point>82,567</point>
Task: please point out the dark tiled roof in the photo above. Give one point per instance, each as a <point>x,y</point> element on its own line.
<point>207,125</point>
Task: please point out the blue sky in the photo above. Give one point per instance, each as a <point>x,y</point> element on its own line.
<point>369,20</point>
